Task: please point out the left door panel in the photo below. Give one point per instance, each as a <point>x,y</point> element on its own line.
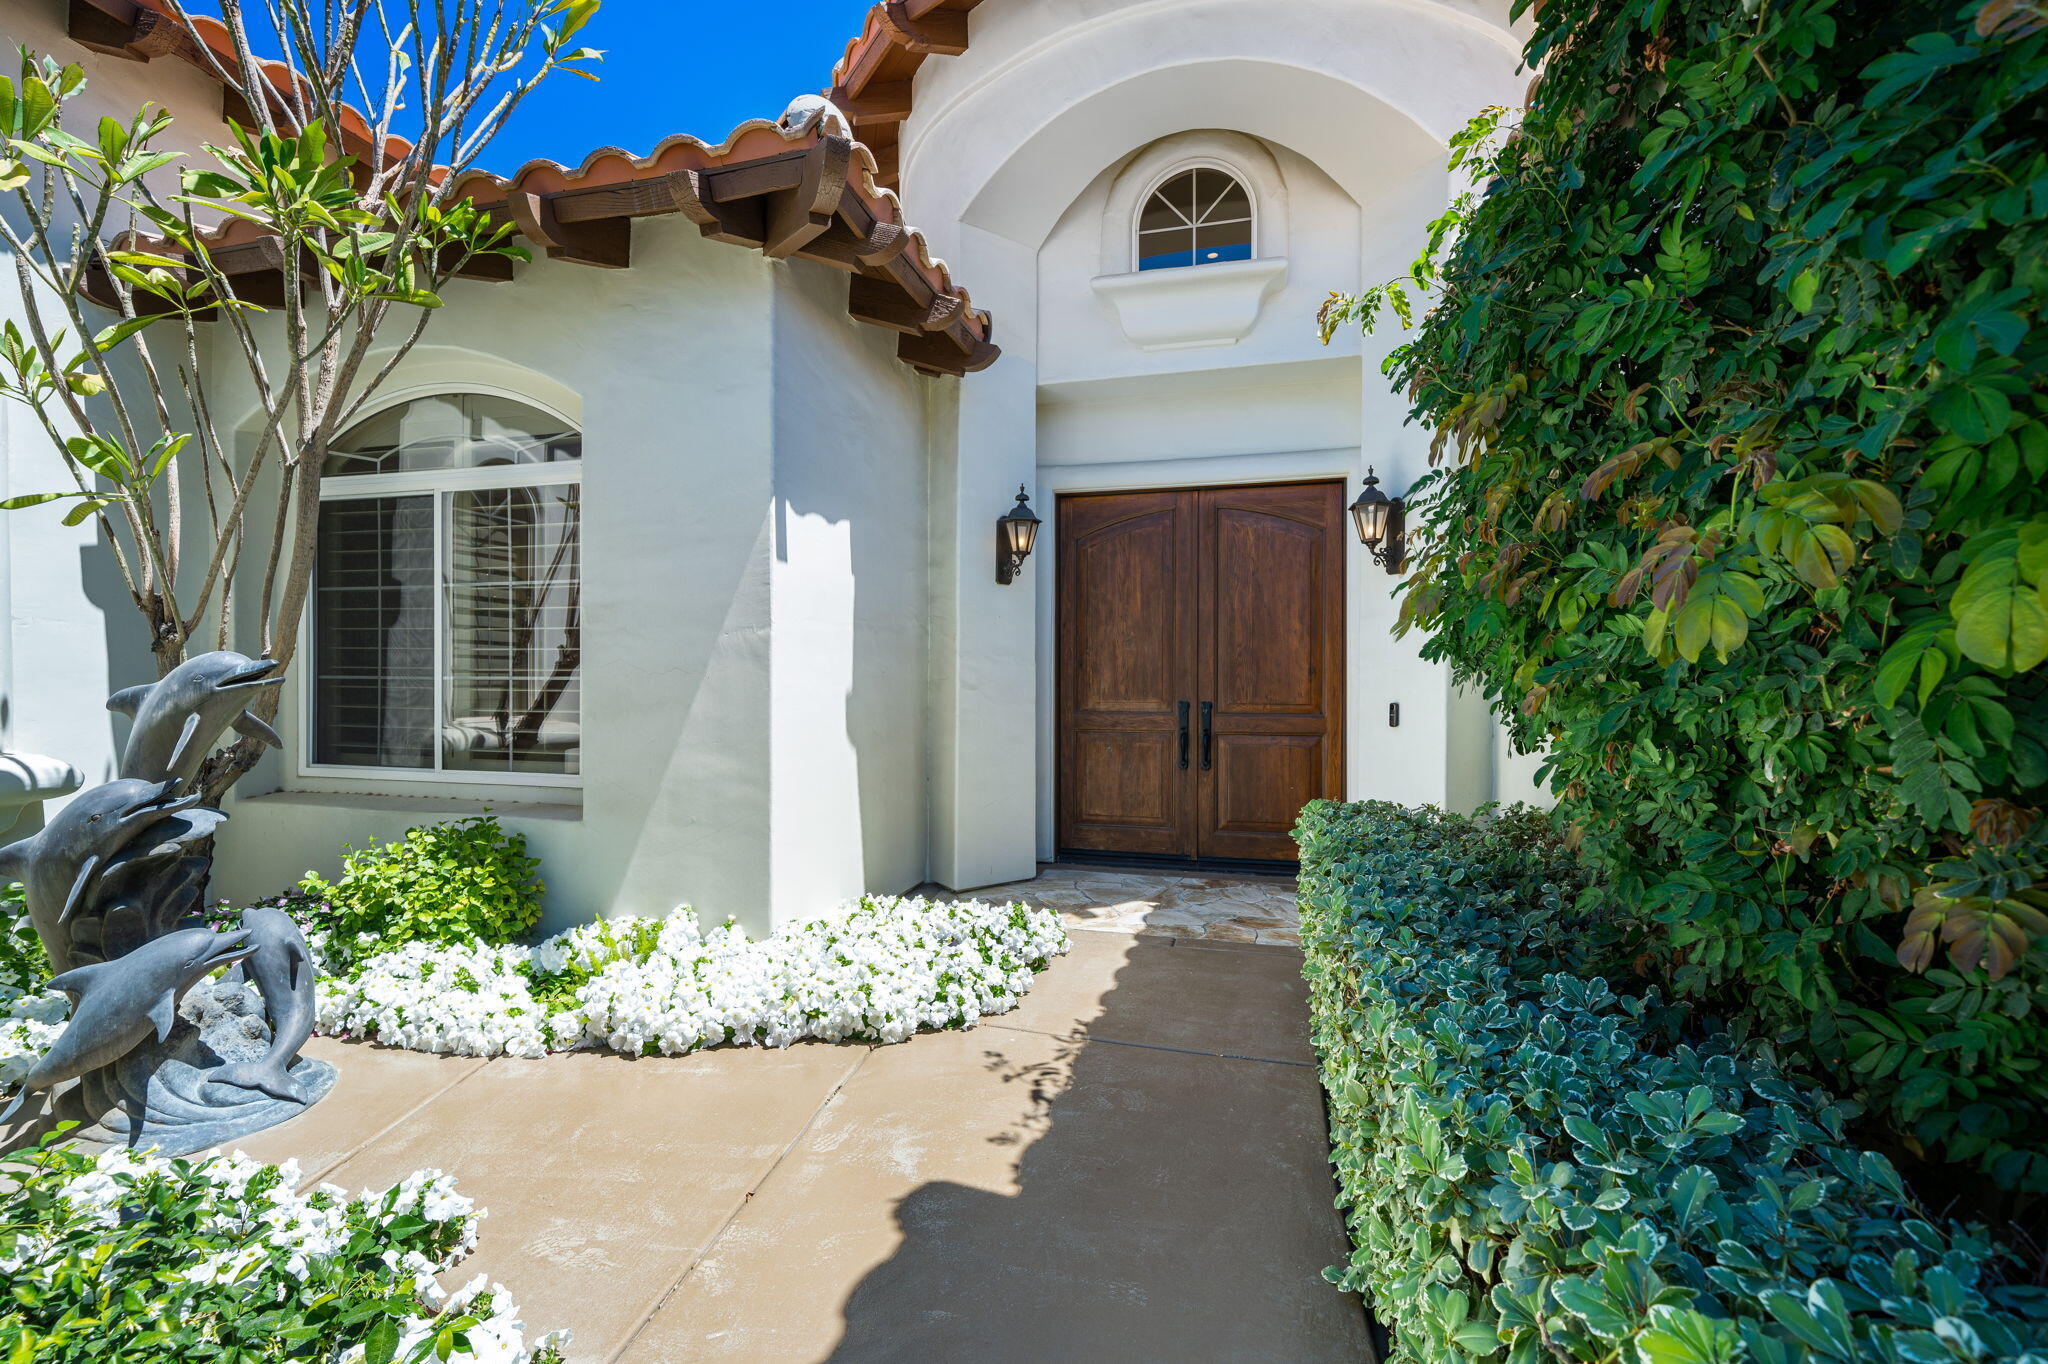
<point>1127,653</point>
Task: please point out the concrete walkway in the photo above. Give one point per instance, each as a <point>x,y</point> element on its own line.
<point>1129,1166</point>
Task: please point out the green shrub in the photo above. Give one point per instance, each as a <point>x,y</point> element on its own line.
<point>24,965</point>
<point>464,881</point>
<point>1738,375</point>
<point>1536,1166</point>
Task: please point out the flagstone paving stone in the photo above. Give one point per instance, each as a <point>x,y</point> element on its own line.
<point>1225,907</point>
<point>1130,1165</point>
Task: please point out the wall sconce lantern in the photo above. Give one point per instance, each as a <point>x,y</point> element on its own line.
<point>1016,533</point>
<point>1378,518</point>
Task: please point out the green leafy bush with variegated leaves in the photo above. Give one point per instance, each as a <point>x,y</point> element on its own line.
<point>1536,1166</point>
<point>1740,388</point>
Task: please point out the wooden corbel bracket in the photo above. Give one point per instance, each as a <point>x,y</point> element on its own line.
<point>603,242</point>
<point>797,217</point>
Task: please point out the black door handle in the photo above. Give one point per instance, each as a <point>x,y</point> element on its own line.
<point>1207,706</point>
<point>1183,736</point>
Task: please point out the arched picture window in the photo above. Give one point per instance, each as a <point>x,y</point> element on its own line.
<point>446,630</point>
<point>1197,217</point>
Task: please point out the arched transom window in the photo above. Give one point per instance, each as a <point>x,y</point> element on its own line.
<point>1196,217</point>
<point>446,629</point>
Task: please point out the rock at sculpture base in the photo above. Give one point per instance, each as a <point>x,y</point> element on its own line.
<point>159,1095</point>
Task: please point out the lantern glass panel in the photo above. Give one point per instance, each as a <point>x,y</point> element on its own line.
<point>1371,518</point>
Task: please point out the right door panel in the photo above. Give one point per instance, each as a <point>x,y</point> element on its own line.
<point>1269,659</point>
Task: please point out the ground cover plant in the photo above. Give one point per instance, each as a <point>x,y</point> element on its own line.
<point>877,971</point>
<point>425,944</point>
<point>127,1257</point>
<point>1538,1165</point>
<point>1742,517</point>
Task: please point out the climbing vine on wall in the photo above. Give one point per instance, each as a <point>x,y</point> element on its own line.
<point>1741,513</point>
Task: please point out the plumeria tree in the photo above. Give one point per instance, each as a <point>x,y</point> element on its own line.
<point>144,334</point>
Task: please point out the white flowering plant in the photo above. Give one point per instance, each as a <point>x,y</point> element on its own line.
<point>125,1256</point>
<point>879,970</point>
<point>31,1015</point>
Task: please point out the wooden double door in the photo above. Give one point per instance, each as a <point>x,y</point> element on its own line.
<point>1201,668</point>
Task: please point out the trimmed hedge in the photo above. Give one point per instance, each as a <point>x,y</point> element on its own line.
<point>1536,1166</point>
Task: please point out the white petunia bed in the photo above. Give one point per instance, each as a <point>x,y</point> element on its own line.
<point>879,970</point>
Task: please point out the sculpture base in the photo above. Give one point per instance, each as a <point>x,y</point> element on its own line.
<point>161,1095</point>
<point>167,1120</point>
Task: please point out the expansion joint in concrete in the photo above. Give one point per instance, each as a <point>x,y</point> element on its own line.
<point>738,1207</point>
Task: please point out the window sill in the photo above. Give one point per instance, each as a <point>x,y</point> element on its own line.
<point>511,806</point>
<point>1193,305</point>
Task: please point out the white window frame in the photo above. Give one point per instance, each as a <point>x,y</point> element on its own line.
<point>431,482</point>
<point>1159,182</point>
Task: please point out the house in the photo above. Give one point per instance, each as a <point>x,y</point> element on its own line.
<point>679,548</point>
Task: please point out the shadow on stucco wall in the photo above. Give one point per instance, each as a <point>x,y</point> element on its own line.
<point>1172,1201</point>
<point>851,610</point>
<point>129,661</point>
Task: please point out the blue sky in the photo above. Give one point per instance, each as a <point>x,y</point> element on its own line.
<point>698,67</point>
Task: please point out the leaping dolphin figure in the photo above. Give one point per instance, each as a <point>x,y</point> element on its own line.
<point>282,970</point>
<point>116,823</point>
<point>179,716</point>
<point>116,1004</point>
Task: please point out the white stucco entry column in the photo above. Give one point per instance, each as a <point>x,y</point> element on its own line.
<point>1357,100</point>
<point>983,647</point>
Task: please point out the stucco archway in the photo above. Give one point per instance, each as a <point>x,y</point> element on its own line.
<point>1003,141</point>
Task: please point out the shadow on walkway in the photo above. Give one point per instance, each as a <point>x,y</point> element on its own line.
<point>1172,1199</point>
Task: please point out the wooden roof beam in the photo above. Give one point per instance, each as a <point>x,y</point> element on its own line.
<point>880,303</point>
<point>603,242</point>
<point>843,249</point>
<point>121,28</point>
<point>875,106</point>
<point>938,355</point>
<point>925,29</point>
<point>738,222</point>
<point>796,217</point>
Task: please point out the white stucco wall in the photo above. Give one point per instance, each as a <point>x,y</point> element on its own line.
<point>753,645</point>
<point>667,368</point>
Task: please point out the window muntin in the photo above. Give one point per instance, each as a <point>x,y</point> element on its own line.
<point>452,431</point>
<point>1201,216</point>
<point>447,620</point>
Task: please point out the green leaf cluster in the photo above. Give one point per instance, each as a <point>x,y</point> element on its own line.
<point>24,965</point>
<point>1537,1165</point>
<point>463,881</point>
<point>1740,393</point>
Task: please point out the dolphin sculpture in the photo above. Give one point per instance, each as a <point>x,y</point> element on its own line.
<point>111,830</point>
<point>179,717</point>
<point>115,1005</point>
<point>282,970</point>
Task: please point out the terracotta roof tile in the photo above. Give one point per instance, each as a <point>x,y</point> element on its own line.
<point>872,81</point>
